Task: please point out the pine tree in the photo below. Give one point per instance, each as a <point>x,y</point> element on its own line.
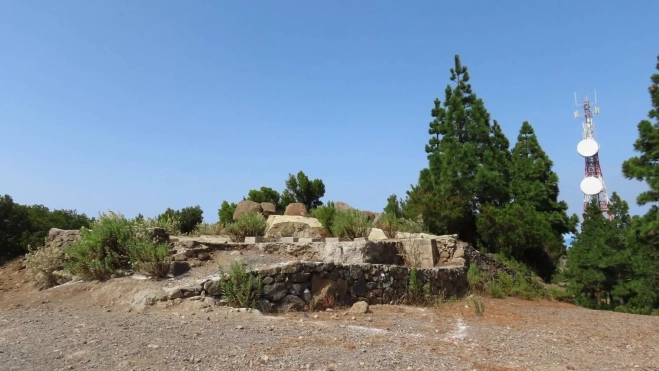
<point>645,230</point>
<point>534,184</point>
<point>620,269</point>
<point>591,256</point>
<point>465,161</point>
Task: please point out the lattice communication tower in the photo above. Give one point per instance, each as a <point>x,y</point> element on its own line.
<point>592,185</point>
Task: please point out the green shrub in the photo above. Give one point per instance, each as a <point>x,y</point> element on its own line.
<point>250,224</point>
<point>325,215</point>
<point>188,218</point>
<point>239,286</point>
<point>474,277</point>
<point>506,282</point>
<point>495,290</point>
<point>415,290</point>
<point>102,250</point>
<point>225,213</point>
<point>390,225</point>
<point>350,224</point>
<point>149,258</point>
<point>207,229</point>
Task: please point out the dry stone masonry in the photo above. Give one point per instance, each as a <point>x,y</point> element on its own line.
<point>306,285</point>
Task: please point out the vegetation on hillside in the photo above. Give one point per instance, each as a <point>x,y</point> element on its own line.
<point>23,226</point>
<point>503,200</point>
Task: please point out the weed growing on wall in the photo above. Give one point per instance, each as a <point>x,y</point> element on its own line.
<point>239,286</point>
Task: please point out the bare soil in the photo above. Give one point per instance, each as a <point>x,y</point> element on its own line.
<point>103,326</point>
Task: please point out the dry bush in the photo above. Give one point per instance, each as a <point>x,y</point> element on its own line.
<point>208,229</point>
<point>171,225</point>
<point>43,266</point>
<point>389,224</point>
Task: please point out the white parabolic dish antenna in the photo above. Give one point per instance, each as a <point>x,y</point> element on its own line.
<point>588,147</point>
<point>591,186</point>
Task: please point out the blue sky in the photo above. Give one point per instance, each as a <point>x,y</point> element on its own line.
<point>137,106</point>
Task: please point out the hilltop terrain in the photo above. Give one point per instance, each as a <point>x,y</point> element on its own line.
<point>92,325</point>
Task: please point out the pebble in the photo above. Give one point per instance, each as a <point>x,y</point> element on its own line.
<point>239,327</point>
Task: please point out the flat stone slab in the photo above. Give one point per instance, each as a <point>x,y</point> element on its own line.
<point>332,239</point>
<point>308,240</point>
<point>257,239</point>
<point>288,239</point>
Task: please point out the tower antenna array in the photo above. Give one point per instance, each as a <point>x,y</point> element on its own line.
<point>592,185</point>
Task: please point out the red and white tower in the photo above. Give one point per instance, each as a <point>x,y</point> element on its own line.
<point>592,185</point>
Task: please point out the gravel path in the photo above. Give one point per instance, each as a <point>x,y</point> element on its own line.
<point>88,326</point>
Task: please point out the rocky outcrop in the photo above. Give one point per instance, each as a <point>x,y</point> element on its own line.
<point>296,209</point>
<point>293,226</point>
<point>370,215</point>
<point>342,206</point>
<point>246,206</point>
<point>61,238</point>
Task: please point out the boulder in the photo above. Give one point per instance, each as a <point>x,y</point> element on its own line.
<point>360,307</point>
<point>246,206</point>
<point>61,238</point>
<point>376,235</point>
<point>342,206</point>
<point>370,215</point>
<point>268,208</point>
<point>290,303</point>
<point>294,226</point>
<point>296,209</point>
<point>323,293</point>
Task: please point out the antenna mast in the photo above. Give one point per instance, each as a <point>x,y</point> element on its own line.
<point>592,185</point>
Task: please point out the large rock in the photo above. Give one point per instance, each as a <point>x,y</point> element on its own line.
<point>323,293</point>
<point>370,215</point>
<point>296,209</point>
<point>377,235</point>
<point>342,206</point>
<point>246,206</point>
<point>61,238</point>
<point>293,226</point>
<point>268,208</point>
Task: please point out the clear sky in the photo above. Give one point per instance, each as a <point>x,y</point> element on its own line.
<point>137,106</point>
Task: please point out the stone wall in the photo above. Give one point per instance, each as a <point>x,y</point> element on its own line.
<point>304,285</point>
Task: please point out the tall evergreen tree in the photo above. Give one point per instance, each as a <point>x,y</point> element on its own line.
<point>645,230</point>
<point>535,184</point>
<point>465,160</point>
<point>591,256</point>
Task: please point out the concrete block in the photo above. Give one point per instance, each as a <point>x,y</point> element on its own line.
<point>257,239</point>
<point>361,239</point>
<point>332,239</point>
<point>288,239</point>
<point>421,252</point>
<point>308,240</point>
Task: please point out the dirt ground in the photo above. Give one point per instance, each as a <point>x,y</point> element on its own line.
<point>102,326</point>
